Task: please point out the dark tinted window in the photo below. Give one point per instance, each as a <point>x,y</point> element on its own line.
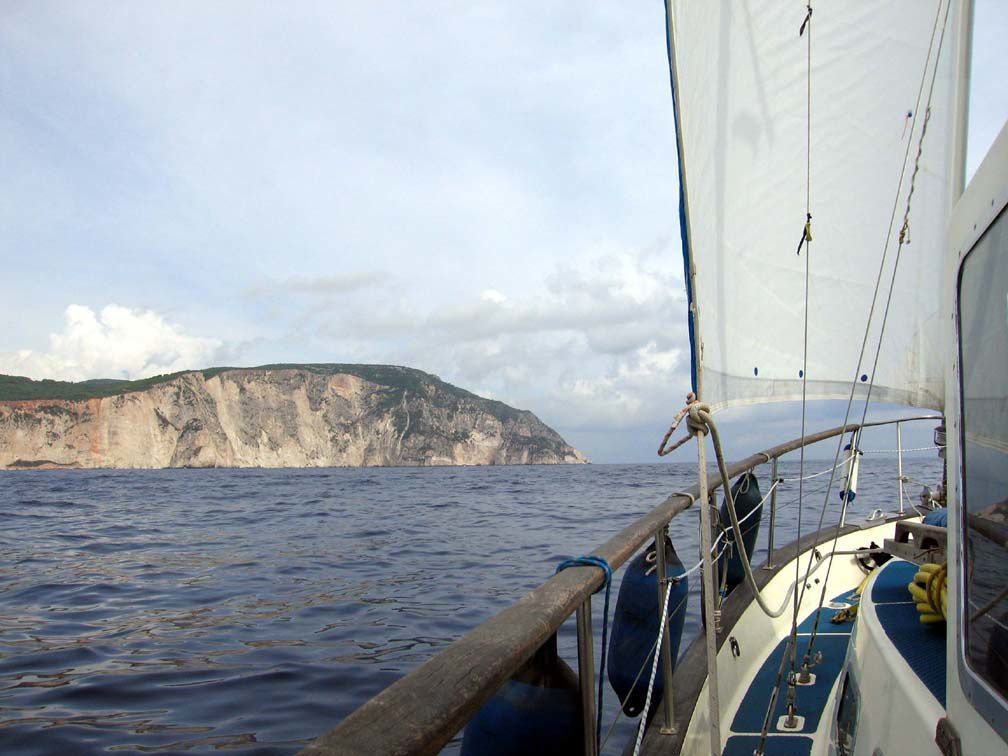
<point>983,322</point>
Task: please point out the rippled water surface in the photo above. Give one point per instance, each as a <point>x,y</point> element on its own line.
<point>193,610</point>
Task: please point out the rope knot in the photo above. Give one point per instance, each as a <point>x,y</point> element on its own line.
<point>691,425</point>
<point>696,422</point>
<point>589,561</point>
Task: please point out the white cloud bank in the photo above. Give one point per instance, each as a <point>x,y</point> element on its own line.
<point>599,343</point>
<point>118,342</point>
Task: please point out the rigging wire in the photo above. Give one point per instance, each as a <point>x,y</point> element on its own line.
<point>903,239</point>
<point>804,376</point>
<point>807,241</point>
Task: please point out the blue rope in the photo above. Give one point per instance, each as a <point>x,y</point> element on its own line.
<point>602,564</point>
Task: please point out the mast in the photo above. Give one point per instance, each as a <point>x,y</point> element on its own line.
<point>696,343</point>
<point>961,86</point>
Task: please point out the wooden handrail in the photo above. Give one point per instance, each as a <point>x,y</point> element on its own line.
<point>422,711</point>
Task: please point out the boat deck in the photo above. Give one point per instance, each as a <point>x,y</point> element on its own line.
<point>893,619</point>
<point>813,700</point>
<point>921,646</point>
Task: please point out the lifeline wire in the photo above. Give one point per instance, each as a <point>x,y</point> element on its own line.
<point>821,472</point>
<point>904,451</point>
<point>602,564</point>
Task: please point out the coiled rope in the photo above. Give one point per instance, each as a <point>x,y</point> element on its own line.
<point>930,593</point>
<point>602,564</point>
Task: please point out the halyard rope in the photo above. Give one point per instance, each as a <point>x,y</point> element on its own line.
<point>700,419</point>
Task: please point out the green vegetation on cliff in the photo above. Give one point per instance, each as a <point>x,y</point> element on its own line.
<point>18,388</point>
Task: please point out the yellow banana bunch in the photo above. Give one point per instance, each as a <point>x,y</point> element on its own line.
<point>930,593</point>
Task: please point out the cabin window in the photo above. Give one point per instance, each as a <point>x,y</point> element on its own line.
<point>847,716</point>
<point>983,323</point>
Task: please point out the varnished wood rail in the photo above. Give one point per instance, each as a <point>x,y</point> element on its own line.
<point>421,712</point>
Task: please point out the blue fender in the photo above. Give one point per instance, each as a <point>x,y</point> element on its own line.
<point>747,497</point>
<point>635,627</point>
<point>537,711</point>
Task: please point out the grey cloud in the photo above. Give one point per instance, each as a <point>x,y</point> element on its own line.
<point>321,286</point>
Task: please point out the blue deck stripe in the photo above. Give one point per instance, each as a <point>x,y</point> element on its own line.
<point>812,699</point>
<point>891,583</point>
<point>832,641</point>
<point>922,646</point>
<point>826,625</point>
<point>776,745</point>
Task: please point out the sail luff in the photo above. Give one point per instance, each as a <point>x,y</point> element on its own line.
<point>689,272</point>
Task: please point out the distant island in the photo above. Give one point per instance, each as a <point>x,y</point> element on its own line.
<point>312,415</point>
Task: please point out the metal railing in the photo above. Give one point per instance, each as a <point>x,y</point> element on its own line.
<point>422,711</point>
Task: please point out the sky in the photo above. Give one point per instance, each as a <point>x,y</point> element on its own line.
<point>484,191</point>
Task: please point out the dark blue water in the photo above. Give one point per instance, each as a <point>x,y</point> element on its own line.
<point>196,610</point>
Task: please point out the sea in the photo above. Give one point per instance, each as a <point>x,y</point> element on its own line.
<point>191,611</point>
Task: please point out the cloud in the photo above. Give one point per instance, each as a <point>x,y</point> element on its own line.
<point>591,346</point>
<point>494,296</point>
<point>117,343</point>
<point>321,286</point>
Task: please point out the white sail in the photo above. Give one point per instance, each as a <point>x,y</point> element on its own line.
<point>741,96</point>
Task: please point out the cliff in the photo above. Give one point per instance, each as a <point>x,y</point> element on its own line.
<point>272,416</point>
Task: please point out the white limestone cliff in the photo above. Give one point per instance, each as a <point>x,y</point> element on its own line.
<point>268,417</point>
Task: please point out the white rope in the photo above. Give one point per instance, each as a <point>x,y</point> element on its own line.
<point>910,479</point>
<point>700,414</point>
<point>633,685</point>
<point>908,501</point>
<point>751,513</point>
<point>654,671</point>
<point>754,510</point>
<point>698,565</point>
<point>822,472</point>
<point>721,535</point>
